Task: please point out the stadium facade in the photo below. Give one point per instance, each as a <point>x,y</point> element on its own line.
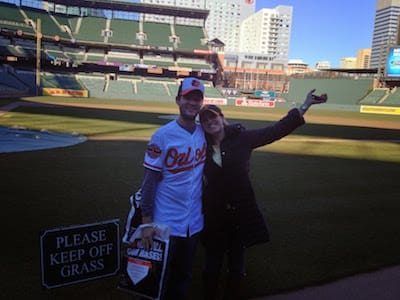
<point>253,39</point>
<point>86,55</point>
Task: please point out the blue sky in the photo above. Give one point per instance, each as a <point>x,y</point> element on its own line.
<point>327,29</point>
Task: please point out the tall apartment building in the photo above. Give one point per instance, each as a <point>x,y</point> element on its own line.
<point>223,21</point>
<point>267,32</point>
<point>225,18</point>
<point>386,29</point>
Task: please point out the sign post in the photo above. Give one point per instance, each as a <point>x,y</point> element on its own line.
<point>79,253</point>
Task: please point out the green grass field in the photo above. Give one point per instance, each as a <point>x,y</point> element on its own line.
<point>330,192</point>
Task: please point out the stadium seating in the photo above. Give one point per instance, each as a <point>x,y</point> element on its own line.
<point>153,90</point>
<point>190,37</point>
<point>87,41</point>
<point>101,87</point>
<point>16,83</point>
<point>393,98</point>
<point>340,91</point>
<point>49,26</point>
<point>94,55</point>
<point>75,54</point>
<point>28,78</point>
<point>120,57</point>
<point>192,63</point>
<point>157,35</point>
<point>120,89</point>
<point>94,84</point>
<point>9,50</point>
<point>374,96</point>
<point>158,60</point>
<point>62,22</point>
<point>100,30</point>
<point>212,92</point>
<point>124,32</point>
<point>88,29</point>
<point>27,52</point>
<point>136,88</point>
<point>11,18</point>
<point>56,54</point>
<point>5,50</point>
<point>64,81</point>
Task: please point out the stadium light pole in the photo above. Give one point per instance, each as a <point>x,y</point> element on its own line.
<point>38,51</point>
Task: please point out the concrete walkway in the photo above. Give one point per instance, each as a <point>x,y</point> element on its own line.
<point>379,285</point>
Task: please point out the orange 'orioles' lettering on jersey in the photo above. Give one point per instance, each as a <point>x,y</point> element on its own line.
<point>178,162</point>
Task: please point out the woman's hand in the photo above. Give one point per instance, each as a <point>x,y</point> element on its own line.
<point>315,99</point>
<point>312,99</point>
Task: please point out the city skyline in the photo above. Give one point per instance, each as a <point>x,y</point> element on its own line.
<point>327,30</point>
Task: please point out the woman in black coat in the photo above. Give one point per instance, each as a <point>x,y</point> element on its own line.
<point>233,221</point>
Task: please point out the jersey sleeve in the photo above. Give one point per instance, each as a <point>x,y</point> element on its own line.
<point>155,152</point>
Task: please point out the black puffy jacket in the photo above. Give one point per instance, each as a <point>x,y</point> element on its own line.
<point>229,204</point>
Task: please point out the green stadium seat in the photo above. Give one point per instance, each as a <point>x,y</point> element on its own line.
<point>77,55</point>
<point>190,37</point>
<point>393,98</point>
<point>127,58</point>
<point>340,91</point>
<point>14,81</point>
<point>12,19</point>
<point>99,87</point>
<point>94,55</point>
<point>120,89</point>
<point>374,96</point>
<point>194,64</point>
<point>63,22</point>
<point>160,61</point>
<point>124,32</point>
<point>69,82</point>
<point>56,54</point>
<point>89,29</point>
<point>212,92</point>
<point>157,34</point>
<point>153,91</point>
<point>49,27</point>
<point>94,84</point>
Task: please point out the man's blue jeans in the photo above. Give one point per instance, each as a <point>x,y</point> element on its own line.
<point>178,276</point>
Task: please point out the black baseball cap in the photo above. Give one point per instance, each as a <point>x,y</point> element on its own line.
<point>211,108</point>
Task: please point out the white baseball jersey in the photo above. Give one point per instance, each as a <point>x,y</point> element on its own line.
<point>179,156</point>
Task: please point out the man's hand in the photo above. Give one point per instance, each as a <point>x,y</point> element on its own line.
<point>147,236</point>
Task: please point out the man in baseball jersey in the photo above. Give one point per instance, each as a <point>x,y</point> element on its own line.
<point>172,187</point>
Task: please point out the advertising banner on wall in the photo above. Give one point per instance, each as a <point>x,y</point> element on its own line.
<point>65,92</point>
<point>254,103</point>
